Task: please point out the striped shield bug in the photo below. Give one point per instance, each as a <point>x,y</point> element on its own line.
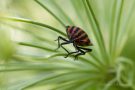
<point>78,38</point>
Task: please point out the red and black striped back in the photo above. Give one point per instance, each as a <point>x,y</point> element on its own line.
<point>78,35</point>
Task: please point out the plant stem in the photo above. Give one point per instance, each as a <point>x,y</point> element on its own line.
<point>91,22</point>
<point>115,28</point>
<point>35,23</point>
<point>97,24</point>
<point>96,30</point>
<point>63,13</point>
<point>50,13</point>
<point>36,46</point>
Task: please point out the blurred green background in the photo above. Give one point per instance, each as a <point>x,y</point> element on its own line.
<point>28,60</point>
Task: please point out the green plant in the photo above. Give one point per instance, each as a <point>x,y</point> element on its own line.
<point>32,63</point>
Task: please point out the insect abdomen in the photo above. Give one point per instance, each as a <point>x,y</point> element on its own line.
<point>78,35</point>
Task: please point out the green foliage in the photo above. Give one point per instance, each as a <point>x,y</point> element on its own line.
<point>6,46</point>
<point>33,63</point>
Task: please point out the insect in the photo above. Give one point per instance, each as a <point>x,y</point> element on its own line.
<point>78,38</point>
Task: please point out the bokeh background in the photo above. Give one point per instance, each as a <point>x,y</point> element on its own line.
<point>28,60</point>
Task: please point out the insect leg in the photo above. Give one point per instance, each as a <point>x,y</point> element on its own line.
<point>74,51</point>
<point>60,38</point>
<point>81,53</point>
<point>71,53</point>
<point>68,42</point>
<point>86,49</point>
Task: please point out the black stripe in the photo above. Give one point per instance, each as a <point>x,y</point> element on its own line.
<point>75,31</point>
<point>71,29</point>
<point>83,37</point>
<point>80,33</point>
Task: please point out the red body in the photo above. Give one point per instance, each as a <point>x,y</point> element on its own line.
<point>78,35</point>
